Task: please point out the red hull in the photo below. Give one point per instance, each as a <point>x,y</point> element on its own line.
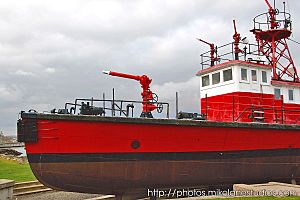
<point>111,135</point>
<point>117,155</point>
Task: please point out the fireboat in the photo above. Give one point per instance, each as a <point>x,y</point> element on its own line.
<point>248,130</point>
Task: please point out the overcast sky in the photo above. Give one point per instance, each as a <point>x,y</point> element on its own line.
<point>54,51</point>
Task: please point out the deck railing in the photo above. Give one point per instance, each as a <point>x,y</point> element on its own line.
<point>249,52</point>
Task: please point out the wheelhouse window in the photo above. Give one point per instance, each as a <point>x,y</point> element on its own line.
<point>227,74</point>
<point>216,78</point>
<point>254,75</point>
<point>205,80</point>
<point>264,77</point>
<point>277,93</point>
<point>244,74</point>
<point>291,95</point>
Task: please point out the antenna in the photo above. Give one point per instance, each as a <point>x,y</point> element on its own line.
<point>212,52</point>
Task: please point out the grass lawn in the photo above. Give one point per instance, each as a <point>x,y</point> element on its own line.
<point>15,171</point>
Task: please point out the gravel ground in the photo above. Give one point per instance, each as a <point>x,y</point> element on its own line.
<point>55,195</point>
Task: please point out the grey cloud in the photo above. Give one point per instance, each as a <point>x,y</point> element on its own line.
<point>54,51</point>
<point>24,73</point>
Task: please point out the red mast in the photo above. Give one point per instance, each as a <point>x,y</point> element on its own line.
<point>271,31</point>
<point>236,41</point>
<point>272,13</point>
<point>213,59</point>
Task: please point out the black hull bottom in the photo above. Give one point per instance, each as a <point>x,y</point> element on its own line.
<point>126,176</point>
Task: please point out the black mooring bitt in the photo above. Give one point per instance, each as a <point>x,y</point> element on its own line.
<point>27,128</point>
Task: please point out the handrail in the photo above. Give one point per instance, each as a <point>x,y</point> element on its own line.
<point>285,18</point>
<point>240,115</point>
<point>226,53</point>
<point>116,105</point>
